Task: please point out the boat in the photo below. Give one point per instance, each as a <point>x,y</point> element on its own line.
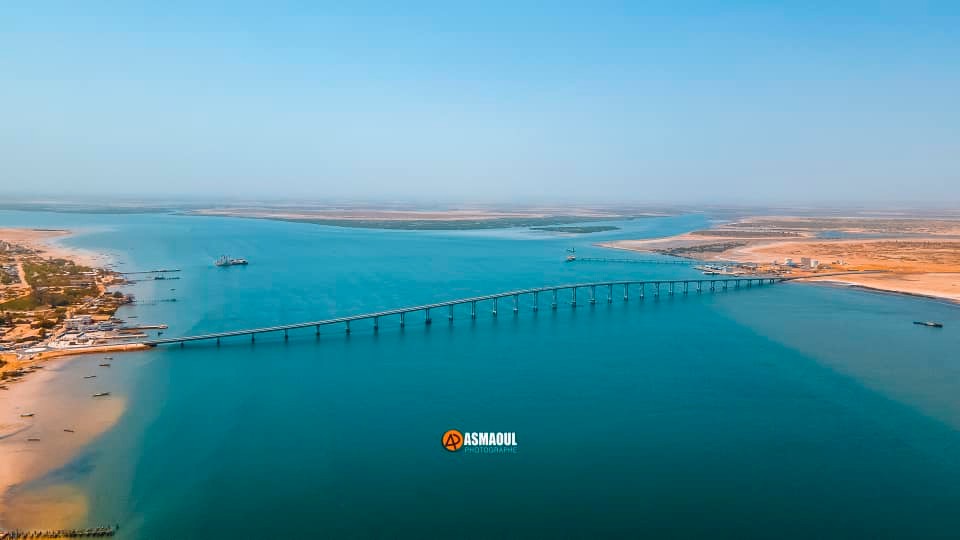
<point>229,261</point>
<point>931,324</point>
<point>26,415</point>
<point>104,365</point>
<point>108,358</point>
<point>89,376</point>
<point>571,258</point>
<point>68,430</point>
<point>33,439</point>
<point>101,394</point>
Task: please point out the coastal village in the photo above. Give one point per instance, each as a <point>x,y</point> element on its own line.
<point>52,306</point>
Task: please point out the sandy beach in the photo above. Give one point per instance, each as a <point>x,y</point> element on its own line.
<point>47,241</point>
<point>56,406</point>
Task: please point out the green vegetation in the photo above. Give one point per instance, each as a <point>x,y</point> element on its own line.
<point>585,229</point>
<point>702,248</point>
<point>23,303</point>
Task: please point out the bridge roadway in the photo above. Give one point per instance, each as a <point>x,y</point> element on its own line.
<point>672,286</point>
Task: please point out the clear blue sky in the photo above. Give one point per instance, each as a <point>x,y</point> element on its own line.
<point>484,101</point>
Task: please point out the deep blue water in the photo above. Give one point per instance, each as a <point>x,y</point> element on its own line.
<point>792,411</point>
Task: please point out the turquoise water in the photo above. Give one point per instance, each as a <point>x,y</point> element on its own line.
<point>793,411</point>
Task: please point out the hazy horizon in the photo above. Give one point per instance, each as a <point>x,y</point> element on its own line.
<point>653,104</point>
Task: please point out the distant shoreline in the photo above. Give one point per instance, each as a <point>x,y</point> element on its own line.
<point>915,257</point>
<point>416,220</point>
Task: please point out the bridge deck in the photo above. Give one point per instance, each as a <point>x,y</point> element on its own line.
<point>424,307</point>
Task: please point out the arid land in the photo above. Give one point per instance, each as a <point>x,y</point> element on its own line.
<point>417,219</point>
<point>911,256</point>
<point>52,303</point>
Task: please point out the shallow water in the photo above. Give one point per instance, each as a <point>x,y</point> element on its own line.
<point>790,411</point>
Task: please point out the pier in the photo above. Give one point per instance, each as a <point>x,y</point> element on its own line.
<point>94,532</point>
<point>160,271</point>
<point>609,289</point>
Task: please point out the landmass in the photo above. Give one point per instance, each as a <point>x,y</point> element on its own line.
<point>54,303</point>
<point>585,229</point>
<point>917,256</point>
<point>419,219</point>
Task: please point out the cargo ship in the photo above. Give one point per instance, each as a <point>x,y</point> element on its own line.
<point>228,261</point>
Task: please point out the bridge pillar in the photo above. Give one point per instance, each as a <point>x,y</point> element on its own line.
<point>713,285</point>
<point>643,287</point>
<point>473,309</point>
<point>610,293</point>
<point>285,336</point>
<point>318,329</point>
<point>573,302</point>
<point>376,324</point>
<point>253,338</point>
<point>736,284</point>
<point>554,304</point>
<point>671,288</point>
<point>593,294</point>
<point>686,287</point>
<point>626,292</point>
<point>749,283</point>
<point>403,319</point>
<point>699,286</point>
<point>450,315</point>
<point>656,292</point>
<point>218,342</point>
<point>536,300</point>
<point>181,344</point>
<point>347,329</point>
<point>426,316</point>
<point>516,304</point>
<point>495,306</point>
<point>725,283</point>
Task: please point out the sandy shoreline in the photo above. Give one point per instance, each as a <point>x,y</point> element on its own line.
<point>56,407</point>
<point>47,241</point>
<point>924,266</point>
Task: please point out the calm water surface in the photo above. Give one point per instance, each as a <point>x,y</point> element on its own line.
<point>792,411</point>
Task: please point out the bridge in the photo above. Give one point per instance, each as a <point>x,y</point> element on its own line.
<point>656,287</point>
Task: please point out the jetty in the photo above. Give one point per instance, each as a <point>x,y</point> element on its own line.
<point>608,290</point>
<point>159,271</point>
<point>59,533</point>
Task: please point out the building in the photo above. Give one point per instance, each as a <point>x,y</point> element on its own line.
<point>78,323</point>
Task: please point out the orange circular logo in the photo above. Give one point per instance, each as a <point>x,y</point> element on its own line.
<point>452,440</point>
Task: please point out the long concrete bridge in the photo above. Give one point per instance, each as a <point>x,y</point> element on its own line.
<point>640,288</point>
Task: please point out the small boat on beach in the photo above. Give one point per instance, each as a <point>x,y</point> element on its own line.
<point>68,430</point>
<point>931,324</point>
<point>33,439</point>
<point>101,394</point>
<point>26,415</point>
